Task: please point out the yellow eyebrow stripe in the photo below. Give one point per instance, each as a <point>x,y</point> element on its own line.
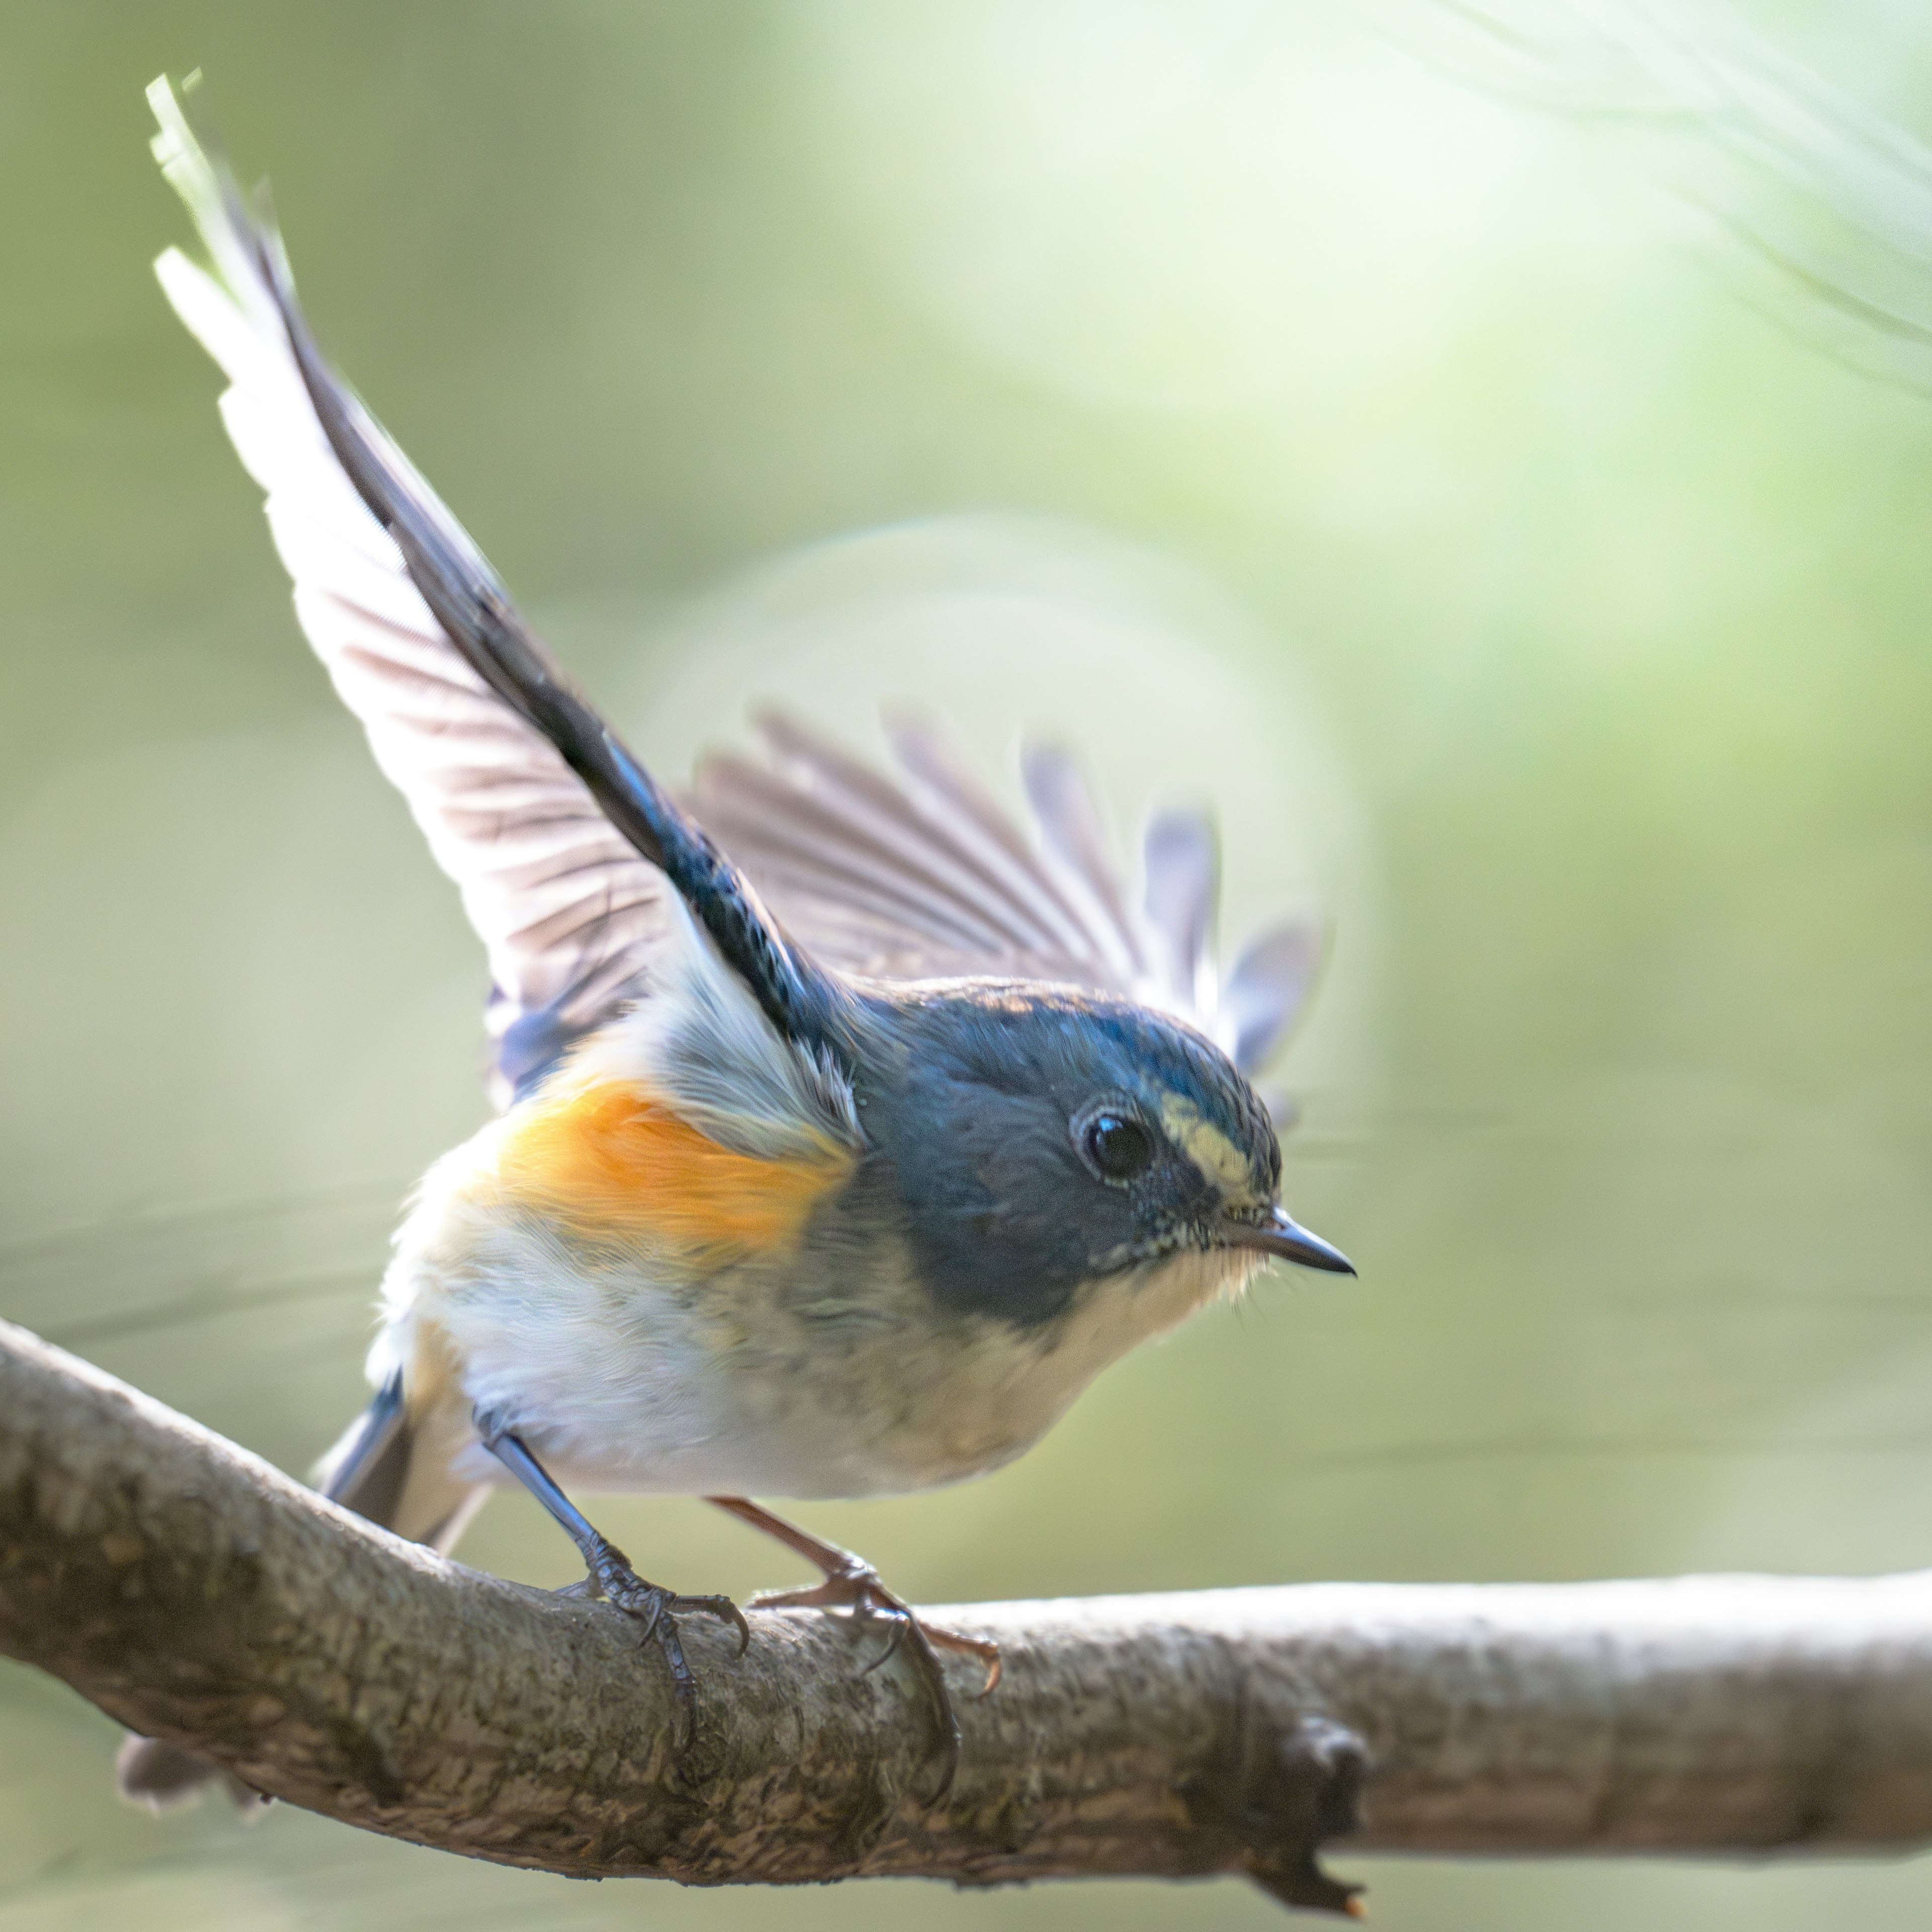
<point>612,1159</point>
<point>1210,1150</point>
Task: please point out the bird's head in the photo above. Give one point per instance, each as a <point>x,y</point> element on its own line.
<point>1041,1139</point>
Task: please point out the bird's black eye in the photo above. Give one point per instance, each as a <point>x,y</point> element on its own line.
<point>1116,1146</point>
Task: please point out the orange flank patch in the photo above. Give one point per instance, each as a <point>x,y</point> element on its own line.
<point>611,1161</point>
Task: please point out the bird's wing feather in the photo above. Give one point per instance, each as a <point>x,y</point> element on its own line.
<point>922,874</point>
<point>565,905</point>
<point>1182,860</point>
<point>917,875</point>
<point>1267,992</point>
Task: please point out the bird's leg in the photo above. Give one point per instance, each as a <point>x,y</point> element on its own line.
<point>610,1574</point>
<point>851,1582</point>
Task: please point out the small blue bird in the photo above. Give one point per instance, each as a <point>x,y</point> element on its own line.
<point>835,1167</point>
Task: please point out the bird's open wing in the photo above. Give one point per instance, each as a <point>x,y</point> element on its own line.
<point>548,827</point>
<point>921,875</point>
<point>563,847</point>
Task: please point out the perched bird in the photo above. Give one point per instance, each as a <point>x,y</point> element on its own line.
<point>835,1167</point>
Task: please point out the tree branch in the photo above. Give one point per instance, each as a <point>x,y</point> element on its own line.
<point>194,1593</point>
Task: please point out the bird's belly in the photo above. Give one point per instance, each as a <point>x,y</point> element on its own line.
<point>819,1374</point>
<point>623,1372</point>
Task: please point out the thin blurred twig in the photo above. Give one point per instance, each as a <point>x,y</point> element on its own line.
<point>194,1593</point>
<point>1825,203</point>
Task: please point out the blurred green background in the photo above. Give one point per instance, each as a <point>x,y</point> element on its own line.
<point>1230,386</point>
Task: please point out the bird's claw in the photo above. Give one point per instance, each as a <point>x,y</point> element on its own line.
<point>612,1578</point>
<point>855,1586</point>
<point>892,1649</point>
<point>722,1608</point>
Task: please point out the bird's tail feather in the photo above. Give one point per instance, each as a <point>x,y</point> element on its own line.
<point>394,1467</point>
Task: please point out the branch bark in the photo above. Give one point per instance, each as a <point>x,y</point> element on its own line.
<point>194,1593</point>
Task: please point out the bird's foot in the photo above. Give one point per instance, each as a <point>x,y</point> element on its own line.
<point>612,1578</point>
<point>852,1584</point>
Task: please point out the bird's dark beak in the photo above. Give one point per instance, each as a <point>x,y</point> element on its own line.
<point>1278,1235</point>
